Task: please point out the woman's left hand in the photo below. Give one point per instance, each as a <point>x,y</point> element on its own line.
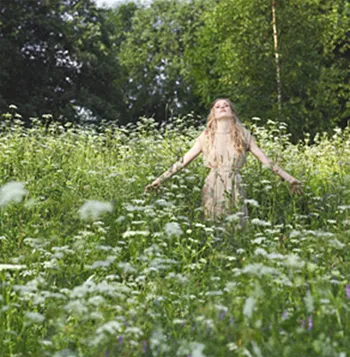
<point>296,187</point>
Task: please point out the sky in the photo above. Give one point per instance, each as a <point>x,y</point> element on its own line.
<point>111,3</point>
<point>108,3</point>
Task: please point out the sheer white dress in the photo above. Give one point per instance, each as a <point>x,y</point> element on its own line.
<point>223,188</point>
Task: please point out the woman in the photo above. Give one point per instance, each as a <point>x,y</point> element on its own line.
<point>224,144</point>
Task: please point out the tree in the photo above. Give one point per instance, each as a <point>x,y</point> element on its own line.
<point>153,56</point>
<point>275,46</point>
<point>59,55</point>
<point>38,69</point>
<point>234,57</point>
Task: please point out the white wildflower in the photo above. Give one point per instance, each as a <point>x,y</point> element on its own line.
<point>65,353</point>
<point>137,332</point>
<point>259,240</point>
<point>76,307</point>
<point>236,217</point>
<point>336,243</point>
<point>252,202</point>
<point>275,256</point>
<point>197,349</point>
<point>258,269</point>
<point>294,234</point>
<point>231,346</point>
<point>34,317</point>
<point>260,251</point>
<point>220,307</point>
<point>127,268</point>
<point>128,234</point>
<point>294,261</point>
<point>159,341</point>
<point>309,302</point>
<point>11,267</point>
<point>120,219</point>
<point>179,321</point>
<point>214,293</point>
<point>12,192</point>
<point>92,209</point>
<point>343,208</point>
<point>259,222</point>
<point>322,234</point>
<point>96,300</point>
<point>256,349</point>
<point>111,327</point>
<point>249,306</point>
<point>173,229</point>
<point>230,286</point>
<point>163,203</point>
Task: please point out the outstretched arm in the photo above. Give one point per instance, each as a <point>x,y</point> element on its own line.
<point>188,157</point>
<point>260,155</point>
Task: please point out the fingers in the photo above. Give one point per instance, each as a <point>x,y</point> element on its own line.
<point>153,186</point>
<point>296,187</point>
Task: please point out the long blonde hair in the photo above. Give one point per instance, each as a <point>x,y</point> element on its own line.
<point>237,130</point>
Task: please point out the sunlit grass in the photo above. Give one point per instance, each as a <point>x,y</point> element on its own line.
<point>92,266</point>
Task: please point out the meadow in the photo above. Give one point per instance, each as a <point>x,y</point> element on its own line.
<point>90,265</point>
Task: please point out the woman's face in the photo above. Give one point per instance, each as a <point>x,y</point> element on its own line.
<point>222,109</point>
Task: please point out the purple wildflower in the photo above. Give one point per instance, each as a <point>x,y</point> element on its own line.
<point>284,315</point>
<point>347,291</point>
<point>222,314</point>
<point>310,323</point>
<point>120,340</point>
<point>144,346</point>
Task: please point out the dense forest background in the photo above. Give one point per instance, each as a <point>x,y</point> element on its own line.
<point>286,60</point>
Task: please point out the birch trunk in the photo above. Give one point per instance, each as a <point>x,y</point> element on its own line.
<point>278,66</point>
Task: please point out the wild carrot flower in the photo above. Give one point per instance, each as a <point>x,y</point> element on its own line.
<point>12,267</point>
<point>173,229</point>
<point>93,209</point>
<point>12,192</point>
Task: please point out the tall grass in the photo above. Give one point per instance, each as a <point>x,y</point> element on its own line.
<point>92,266</point>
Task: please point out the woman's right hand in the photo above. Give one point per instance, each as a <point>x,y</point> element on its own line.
<point>154,185</point>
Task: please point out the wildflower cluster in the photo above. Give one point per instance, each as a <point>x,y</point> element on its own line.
<point>92,266</point>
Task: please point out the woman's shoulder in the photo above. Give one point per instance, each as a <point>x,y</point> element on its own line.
<point>204,133</point>
<point>201,139</point>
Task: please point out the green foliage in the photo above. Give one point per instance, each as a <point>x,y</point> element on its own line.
<point>151,277</point>
<point>59,56</point>
<point>175,57</point>
<point>234,57</point>
<point>153,55</point>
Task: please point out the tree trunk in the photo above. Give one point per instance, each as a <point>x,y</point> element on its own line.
<point>278,66</point>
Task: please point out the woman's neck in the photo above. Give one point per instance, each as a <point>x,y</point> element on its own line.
<point>223,125</point>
